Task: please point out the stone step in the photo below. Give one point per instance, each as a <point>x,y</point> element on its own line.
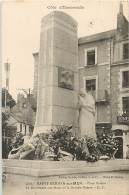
<point>50,168</point>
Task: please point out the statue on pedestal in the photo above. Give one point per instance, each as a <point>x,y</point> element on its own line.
<point>86,106</point>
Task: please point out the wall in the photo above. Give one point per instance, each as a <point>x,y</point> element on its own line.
<point>118,65</point>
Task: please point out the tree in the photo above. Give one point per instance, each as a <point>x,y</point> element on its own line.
<point>7,99</point>
<point>5,117</point>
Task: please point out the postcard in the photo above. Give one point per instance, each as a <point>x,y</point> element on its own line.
<point>65,97</point>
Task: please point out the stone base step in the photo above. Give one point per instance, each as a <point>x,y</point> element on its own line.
<point>53,168</point>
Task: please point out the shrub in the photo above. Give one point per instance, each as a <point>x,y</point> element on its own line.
<point>85,148</point>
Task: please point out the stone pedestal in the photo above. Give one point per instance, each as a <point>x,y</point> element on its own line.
<point>51,168</point>
<point>57,73</point>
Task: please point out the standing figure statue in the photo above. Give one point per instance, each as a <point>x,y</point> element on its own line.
<point>86,106</point>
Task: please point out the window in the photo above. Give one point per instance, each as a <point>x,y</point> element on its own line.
<point>125,79</point>
<point>125,50</point>
<point>91,56</point>
<point>91,85</point>
<point>125,102</point>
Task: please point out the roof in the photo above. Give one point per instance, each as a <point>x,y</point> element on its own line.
<point>97,37</point>
<point>12,121</point>
<point>18,117</point>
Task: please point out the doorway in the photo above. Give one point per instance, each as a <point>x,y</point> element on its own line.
<point>118,136</point>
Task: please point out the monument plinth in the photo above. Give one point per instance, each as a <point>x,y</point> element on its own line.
<point>57,73</point>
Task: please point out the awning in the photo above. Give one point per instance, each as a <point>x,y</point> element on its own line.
<point>103,125</point>
<point>120,126</point>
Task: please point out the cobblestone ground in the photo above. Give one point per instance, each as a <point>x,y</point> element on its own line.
<point>108,183</point>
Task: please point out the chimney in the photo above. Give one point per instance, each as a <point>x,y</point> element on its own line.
<point>121,8</point>
<point>122,23</point>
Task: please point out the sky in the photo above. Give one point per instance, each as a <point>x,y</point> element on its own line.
<point>21,22</point>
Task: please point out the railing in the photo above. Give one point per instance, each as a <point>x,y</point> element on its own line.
<point>123,120</point>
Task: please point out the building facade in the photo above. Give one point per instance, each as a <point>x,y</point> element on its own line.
<point>104,71</point>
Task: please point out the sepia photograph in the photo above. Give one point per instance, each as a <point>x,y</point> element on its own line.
<point>65,97</point>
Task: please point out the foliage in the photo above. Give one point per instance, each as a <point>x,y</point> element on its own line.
<point>9,99</point>
<point>85,148</point>
<point>81,149</point>
<point>62,139</point>
<point>18,140</point>
<point>107,145</point>
<point>5,118</point>
<point>5,133</point>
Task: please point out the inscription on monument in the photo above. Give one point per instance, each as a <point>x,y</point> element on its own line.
<point>65,78</point>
